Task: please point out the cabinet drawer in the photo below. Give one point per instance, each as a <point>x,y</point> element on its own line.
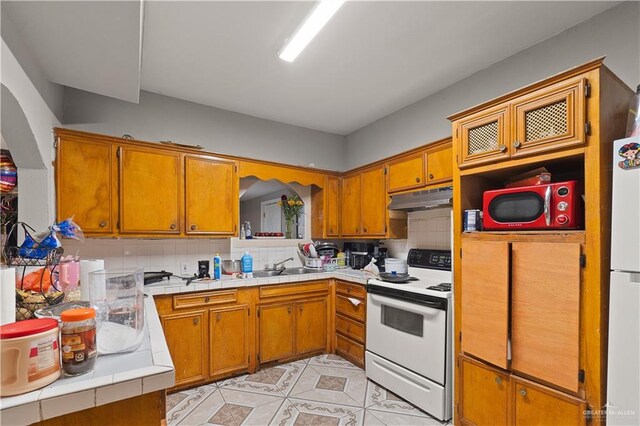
<point>345,307</point>
<point>205,299</point>
<point>350,328</point>
<point>294,290</point>
<point>350,350</point>
<point>351,290</point>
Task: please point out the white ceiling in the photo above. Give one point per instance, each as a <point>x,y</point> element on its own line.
<point>263,187</point>
<point>90,45</point>
<point>372,58</point>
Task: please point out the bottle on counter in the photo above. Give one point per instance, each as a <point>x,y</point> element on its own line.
<point>242,232</point>
<point>247,230</point>
<point>78,341</point>
<point>247,265</point>
<point>217,267</point>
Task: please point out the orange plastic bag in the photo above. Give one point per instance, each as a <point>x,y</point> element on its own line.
<point>32,280</point>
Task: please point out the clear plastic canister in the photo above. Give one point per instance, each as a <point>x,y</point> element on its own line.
<point>118,298</point>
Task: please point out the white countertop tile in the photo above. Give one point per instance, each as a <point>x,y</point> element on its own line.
<point>118,391</point>
<point>70,403</point>
<point>24,414</point>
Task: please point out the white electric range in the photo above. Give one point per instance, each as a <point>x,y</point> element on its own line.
<point>409,333</point>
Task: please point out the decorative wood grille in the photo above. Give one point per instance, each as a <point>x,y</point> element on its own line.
<point>483,138</point>
<point>547,121</point>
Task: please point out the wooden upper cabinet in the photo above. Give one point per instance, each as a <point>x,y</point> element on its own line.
<point>276,332</point>
<point>150,191</point>
<point>550,118</point>
<point>484,394</point>
<point>332,207</point>
<point>350,205</point>
<point>311,326</point>
<point>485,300</point>
<point>86,174</point>
<point>538,405</point>
<point>406,173</point>
<point>374,202</point>
<point>440,165</point>
<point>229,340</point>
<point>211,193</point>
<point>545,313</point>
<point>484,136</point>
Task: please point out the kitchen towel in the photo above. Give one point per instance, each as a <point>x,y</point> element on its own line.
<point>86,266</point>
<point>7,295</point>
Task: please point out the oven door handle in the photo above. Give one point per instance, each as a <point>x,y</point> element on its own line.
<point>547,205</point>
<point>404,297</point>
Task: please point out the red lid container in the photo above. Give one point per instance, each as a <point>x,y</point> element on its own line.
<point>27,327</point>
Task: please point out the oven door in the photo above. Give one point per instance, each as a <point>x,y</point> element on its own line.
<point>517,208</point>
<point>408,329</point>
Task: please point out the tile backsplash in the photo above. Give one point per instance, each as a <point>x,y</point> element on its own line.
<point>169,255</point>
<point>426,229</point>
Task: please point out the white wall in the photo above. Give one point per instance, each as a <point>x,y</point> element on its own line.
<point>159,117</point>
<point>35,171</point>
<point>429,229</point>
<point>614,33</point>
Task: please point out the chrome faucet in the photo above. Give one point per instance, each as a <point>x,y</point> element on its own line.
<point>276,266</point>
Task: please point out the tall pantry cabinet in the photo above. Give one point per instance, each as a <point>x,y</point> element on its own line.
<point>531,306</point>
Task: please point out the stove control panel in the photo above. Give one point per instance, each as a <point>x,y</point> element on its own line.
<point>430,259</point>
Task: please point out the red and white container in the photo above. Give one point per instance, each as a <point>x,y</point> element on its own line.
<point>30,355</point>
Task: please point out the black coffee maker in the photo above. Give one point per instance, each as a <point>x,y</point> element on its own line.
<point>362,253</point>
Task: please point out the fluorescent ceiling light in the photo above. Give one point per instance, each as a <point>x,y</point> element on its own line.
<point>310,27</point>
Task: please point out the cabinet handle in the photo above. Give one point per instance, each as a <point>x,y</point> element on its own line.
<point>503,148</point>
<point>348,329</point>
<point>103,224</point>
<point>498,380</point>
<point>331,230</point>
<point>364,229</point>
<point>418,180</point>
<point>218,316</point>
<point>206,299</point>
<point>193,227</point>
<point>173,226</point>
<point>523,392</point>
<point>196,321</point>
<point>301,308</point>
<point>357,229</point>
<point>517,144</point>
<point>430,175</point>
<point>289,309</point>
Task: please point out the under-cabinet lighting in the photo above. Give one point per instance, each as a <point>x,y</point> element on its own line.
<point>310,27</point>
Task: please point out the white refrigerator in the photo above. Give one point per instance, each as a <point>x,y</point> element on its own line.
<point>623,378</point>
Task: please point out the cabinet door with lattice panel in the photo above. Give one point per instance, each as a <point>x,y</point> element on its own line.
<point>483,137</point>
<point>550,118</point>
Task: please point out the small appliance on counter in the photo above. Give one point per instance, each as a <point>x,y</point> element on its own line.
<point>360,254</point>
<point>155,277</point>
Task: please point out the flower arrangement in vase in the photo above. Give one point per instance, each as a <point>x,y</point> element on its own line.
<point>291,207</point>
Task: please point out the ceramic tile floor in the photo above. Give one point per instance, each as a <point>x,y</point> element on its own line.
<point>323,390</point>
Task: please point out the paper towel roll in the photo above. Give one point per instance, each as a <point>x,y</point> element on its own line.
<point>7,295</point>
<point>87,266</point>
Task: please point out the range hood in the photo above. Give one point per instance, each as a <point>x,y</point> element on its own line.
<point>423,200</point>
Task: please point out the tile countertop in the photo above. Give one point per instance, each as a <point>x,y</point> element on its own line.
<point>115,377</point>
<point>148,369</point>
<point>176,285</point>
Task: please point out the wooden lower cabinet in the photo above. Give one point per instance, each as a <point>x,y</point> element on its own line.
<point>229,340</point>
<point>210,334</point>
<point>534,404</point>
<point>276,332</point>
<point>292,321</point>
<point>350,321</point>
<point>485,394</point>
<point>186,335</point>
<point>490,396</point>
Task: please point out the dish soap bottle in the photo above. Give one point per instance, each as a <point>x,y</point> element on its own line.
<point>247,265</point>
<point>217,267</point>
<point>247,230</point>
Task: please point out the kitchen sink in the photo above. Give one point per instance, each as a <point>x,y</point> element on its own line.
<point>264,274</point>
<point>297,271</point>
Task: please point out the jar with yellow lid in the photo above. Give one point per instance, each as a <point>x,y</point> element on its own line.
<point>78,341</point>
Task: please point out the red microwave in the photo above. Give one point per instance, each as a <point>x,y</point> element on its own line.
<point>549,206</point>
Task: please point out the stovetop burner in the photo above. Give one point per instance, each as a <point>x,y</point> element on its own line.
<point>441,287</point>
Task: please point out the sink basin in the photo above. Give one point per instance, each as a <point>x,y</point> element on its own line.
<point>264,274</point>
<point>297,271</point>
